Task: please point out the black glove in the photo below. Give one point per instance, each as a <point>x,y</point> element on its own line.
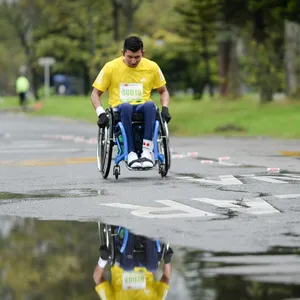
<point>165,114</point>
<point>168,256</point>
<point>102,120</point>
<point>104,253</point>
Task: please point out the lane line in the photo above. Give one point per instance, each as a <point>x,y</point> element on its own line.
<point>40,163</point>
<point>290,153</point>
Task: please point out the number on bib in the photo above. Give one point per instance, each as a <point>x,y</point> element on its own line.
<point>131,92</point>
<point>134,281</point>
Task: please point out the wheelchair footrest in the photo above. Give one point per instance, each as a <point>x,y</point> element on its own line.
<point>140,168</point>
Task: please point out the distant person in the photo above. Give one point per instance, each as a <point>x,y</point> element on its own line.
<point>22,87</point>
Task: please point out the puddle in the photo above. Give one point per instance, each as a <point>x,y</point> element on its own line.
<point>59,193</point>
<point>37,257</point>
<point>192,175</point>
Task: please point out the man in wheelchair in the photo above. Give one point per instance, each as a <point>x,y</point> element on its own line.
<point>130,80</point>
<point>133,263</point>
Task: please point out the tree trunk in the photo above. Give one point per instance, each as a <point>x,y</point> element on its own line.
<point>206,58</point>
<point>129,9</point>
<point>292,53</point>
<point>86,80</point>
<point>129,23</point>
<point>266,95</point>
<point>91,32</point>
<point>260,36</point>
<point>116,19</point>
<point>224,54</point>
<point>35,83</point>
<point>234,84</point>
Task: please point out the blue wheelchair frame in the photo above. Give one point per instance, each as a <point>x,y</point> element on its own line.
<point>118,242</point>
<point>127,260</point>
<point>125,240</point>
<point>109,136</point>
<point>123,151</point>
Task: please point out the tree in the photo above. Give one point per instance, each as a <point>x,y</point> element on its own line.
<point>24,15</point>
<point>11,58</point>
<point>72,33</point>
<point>129,8</point>
<point>116,6</point>
<point>199,28</point>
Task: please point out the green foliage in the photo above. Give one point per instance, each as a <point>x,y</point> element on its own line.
<point>185,37</point>
<point>46,260</point>
<point>262,67</point>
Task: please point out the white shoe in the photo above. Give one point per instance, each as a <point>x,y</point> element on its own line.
<point>133,160</point>
<point>147,159</point>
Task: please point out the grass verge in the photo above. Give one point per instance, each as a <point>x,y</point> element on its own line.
<point>243,117</point>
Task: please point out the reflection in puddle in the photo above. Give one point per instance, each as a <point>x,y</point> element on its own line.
<point>132,261</point>
<point>57,259</point>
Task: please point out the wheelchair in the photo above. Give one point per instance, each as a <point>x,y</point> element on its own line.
<point>114,135</point>
<point>129,250</point>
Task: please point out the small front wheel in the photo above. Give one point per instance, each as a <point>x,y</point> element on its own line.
<point>162,170</point>
<point>116,171</point>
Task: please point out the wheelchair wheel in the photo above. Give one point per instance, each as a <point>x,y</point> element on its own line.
<point>163,147</point>
<point>104,148</point>
<point>106,236</point>
<point>168,145</point>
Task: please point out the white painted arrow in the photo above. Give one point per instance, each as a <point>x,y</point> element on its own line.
<point>256,206</point>
<point>289,196</point>
<point>224,180</point>
<point>163,212</point>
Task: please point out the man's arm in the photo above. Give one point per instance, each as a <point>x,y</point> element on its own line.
<point>95,97</point>
<point>98,275</point>
<point>164,101</point>
<point>167,271</point>
<point>164,96</point>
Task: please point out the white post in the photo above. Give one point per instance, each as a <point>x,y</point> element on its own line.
<point>46,62</point>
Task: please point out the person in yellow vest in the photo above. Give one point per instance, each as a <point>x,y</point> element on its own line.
<point>22,87</point>
<point>130,80</point>
<point>138,283</point>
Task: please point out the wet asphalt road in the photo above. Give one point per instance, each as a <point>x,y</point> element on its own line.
<point>48,171</point>
<point>236,205</point>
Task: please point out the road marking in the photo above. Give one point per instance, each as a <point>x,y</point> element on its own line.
<point>224,180</point>
<point>255,206</point>
<point>232,180</point>
<point>40,163</point>
<point>290,196</point>
<point>163,212</point>
<point>278,179</point>
<point>271,179</point>
<point>37,150</point>
<point>290,153</point>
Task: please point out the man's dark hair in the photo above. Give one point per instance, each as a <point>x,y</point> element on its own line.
<point>133,43</point>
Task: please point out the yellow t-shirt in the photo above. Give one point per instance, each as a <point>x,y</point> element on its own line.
<point>117,290</point>
<point>132,85</point>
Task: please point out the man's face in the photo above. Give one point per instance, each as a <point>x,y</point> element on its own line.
<point>132,59</point>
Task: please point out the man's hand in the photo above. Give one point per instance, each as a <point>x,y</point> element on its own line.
<point>102,120</point>
<point>104,253</point>
<point>168,256</point>
<point>165,114</point>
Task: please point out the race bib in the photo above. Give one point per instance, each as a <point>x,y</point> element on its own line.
<point>134,281</point>
<point>131,92</point>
